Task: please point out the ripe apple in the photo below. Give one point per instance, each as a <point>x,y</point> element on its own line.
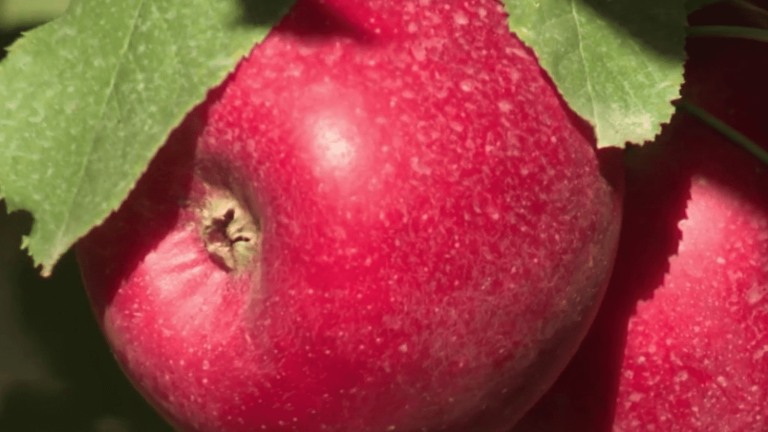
<point>385,219</point>
<point>681,340</point>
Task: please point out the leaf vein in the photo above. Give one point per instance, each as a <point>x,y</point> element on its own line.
<point>60,235</point>
<point>590,91</point>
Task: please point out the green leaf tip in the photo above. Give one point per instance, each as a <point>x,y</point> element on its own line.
<point>617,63</point>
<point>89,98</point>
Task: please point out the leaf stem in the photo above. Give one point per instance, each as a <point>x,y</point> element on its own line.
<point>729,31</point>
<point>724,129</point>
<point>693,5</point>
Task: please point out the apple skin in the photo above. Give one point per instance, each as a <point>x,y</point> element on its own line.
<point>681,340</point>
<point>385,219</point>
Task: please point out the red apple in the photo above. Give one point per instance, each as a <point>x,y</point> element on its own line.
<point>386,219</point>
<point>681,341</point>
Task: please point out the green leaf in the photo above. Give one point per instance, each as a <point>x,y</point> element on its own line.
<point>618,63</point>
<point>88,99</point>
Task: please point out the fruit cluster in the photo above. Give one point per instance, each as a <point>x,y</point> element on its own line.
<point>387,219</point>
<point>681,340</point>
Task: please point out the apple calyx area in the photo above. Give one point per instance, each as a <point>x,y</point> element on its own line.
<point>230,233</point>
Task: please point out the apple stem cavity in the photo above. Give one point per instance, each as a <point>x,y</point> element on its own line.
<point>232,236</point>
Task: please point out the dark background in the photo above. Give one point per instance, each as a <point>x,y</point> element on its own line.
<point>56,372</point>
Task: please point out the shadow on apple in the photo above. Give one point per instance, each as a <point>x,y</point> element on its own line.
<point>327,22</point>
<point>650,235</point>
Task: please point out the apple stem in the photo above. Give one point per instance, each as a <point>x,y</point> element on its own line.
<point>724,129</point>
<point>728,31</point>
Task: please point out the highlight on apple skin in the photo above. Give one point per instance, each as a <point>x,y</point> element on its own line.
<point>385,219</point>
<point>681,340</point>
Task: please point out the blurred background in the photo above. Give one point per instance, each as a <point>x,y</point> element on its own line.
<point>56,372</point>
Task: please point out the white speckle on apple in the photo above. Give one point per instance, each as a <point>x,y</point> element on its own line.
<point>418,50</point>
<point>460,18</point>
<point>760,353</point>
<point>756,293</point>
<point>722,381</point>
<point>456,126</point>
